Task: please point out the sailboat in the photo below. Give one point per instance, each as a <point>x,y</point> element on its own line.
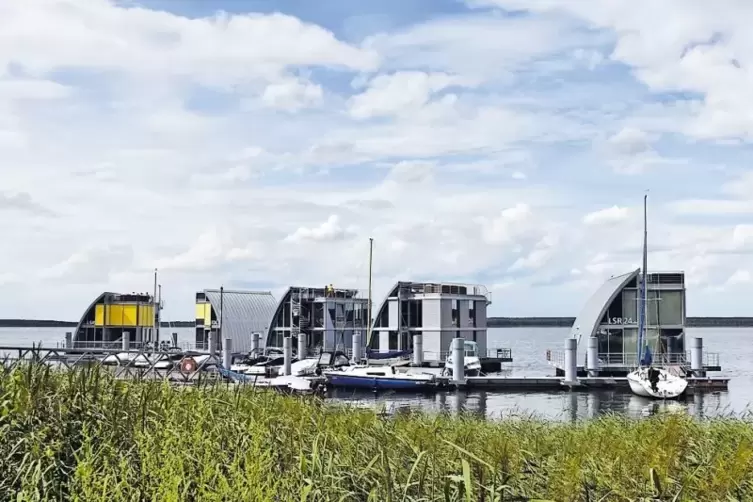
<point>647,380</point>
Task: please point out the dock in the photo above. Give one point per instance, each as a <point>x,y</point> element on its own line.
<point>554,384</point>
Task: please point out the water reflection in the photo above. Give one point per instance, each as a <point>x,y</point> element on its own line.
<point>563,406</point>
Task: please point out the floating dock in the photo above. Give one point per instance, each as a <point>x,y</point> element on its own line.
<point>553,383</point>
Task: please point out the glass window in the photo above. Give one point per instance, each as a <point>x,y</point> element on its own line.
<point>630,345</point>
<point>630,305</point>
<point>374,342</point>
<point>393,340</point>
<point>670,307</point>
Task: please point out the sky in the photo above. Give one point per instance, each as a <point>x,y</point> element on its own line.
<point>258,144</point>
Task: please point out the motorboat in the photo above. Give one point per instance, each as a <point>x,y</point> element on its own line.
<point>260,365</point>
<point>657,383</point>
<point>314,365</point>
<point>378,378</point>
<point>471,361</point>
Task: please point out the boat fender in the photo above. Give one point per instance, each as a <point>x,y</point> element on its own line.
<point>188,365</point>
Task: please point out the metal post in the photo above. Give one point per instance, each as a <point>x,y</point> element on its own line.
<point>356,347</point>
<point>287,354</point>
<point>418,350</point>
<point>368,315</point>
<point>592,356</point>
<point>175,339</point>
<point>696,357</point>
<point>126,340</point>
<point>458,361</point>
<point>571,360</point>
<point>301,346</point>
<point>255,344</point>
<point>159,313</point>
<point>68,340</point>
<point>153,334</point>
<point>212,344</point>
<point>222,310</point>
<point>227,353</point>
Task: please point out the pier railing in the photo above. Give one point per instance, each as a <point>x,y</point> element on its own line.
<point>172,365</point>
<point>629,359</point>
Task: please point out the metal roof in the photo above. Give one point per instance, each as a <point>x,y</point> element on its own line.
<point>245,313</point>
<point>590,316</point>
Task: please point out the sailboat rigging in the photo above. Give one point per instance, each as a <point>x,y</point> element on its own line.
<point>647,380</point>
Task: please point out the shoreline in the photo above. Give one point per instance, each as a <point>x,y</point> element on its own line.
<point>492,322</point>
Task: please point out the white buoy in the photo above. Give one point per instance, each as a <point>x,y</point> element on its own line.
<point>418,350</point>
<point>458,361</point>
<point>227,353</point>
<point>287,354</point>
<point>255,344</point>
<point>592,356</point>
<point>356,348</point>
<point>301,346</point>
<point>571,360</point>
<point>126,341</point>
<point>696,356</point>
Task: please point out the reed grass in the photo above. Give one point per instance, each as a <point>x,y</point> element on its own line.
<point>82,435</point>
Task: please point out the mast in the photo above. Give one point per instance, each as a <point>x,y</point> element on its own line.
<point>153,335</point>
<point>368,326</point>
<point>643,292</point>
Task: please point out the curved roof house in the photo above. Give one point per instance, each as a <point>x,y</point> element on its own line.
<point>110,315</point>
<point>611,315</point>
<point>440,311</point>
<point>237,314</point>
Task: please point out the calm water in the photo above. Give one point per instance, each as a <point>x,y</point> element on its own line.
<point>529,345</point>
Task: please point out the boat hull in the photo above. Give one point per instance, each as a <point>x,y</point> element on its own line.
<point>668,386</point>
<point>376,382</point>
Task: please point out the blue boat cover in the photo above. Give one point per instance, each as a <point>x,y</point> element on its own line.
<point>387,355</point>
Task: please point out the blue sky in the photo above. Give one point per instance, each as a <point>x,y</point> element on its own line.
<point>260,144</point>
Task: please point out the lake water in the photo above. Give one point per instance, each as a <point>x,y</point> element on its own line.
<point>529,345</point>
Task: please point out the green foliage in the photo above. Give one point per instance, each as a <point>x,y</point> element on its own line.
<point>85,436</point>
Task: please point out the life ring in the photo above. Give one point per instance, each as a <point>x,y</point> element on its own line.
<point>188,365</point>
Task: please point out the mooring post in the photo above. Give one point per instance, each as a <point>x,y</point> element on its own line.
<point>227,353</point>
<point>356,357</point>
<point>418,350</point>
<point>212,344</point>
<point>571,360</point>
<point>696,357</point>
<point>592,356</point>
<point>255,344</point>
<point>301,346</point>
<point>458,361</point>
<point>287,354</point>
<point>126,341</point>
<point>68,340</point>
<point>175,339</point>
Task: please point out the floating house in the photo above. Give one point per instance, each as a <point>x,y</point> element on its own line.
<point>112,314</point>
<point>439,311</point>
<point>611,315</point>
<point>328,316</point>
<point>232,314</point>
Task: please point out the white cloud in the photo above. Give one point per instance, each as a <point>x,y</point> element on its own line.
<point>610,215</point>
<point>327,231</point>
<point>292,95</point>
<point>401,93</point>
<point>740,276</point>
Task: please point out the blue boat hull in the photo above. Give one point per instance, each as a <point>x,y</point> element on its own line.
<point>377,383</point>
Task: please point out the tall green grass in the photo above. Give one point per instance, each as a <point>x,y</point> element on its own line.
<point>82,435</point>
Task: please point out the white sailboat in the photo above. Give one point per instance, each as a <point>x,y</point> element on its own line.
<point>647,380</point>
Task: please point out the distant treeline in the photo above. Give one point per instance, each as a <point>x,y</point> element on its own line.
<point>492,322</point>
<point>566,322</point>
